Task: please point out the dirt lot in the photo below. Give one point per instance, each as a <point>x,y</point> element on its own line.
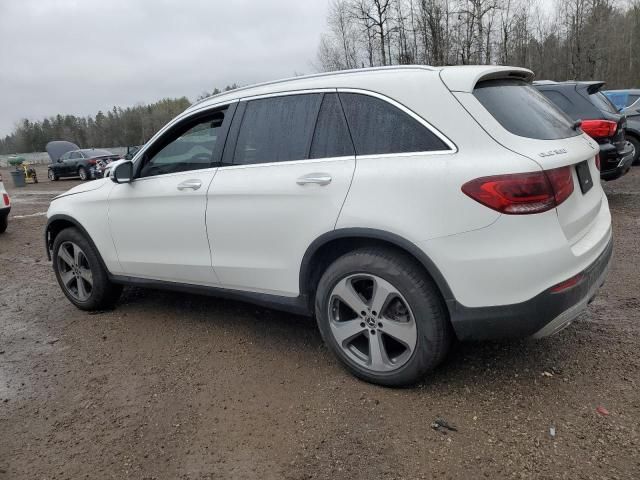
<point>177,386</point>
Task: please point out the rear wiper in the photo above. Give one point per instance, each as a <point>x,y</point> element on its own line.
<point>576,125</point>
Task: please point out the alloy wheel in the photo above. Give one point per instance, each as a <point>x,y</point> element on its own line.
<point>83,174</point>
<point>372,322</point>
<point>75,271</point>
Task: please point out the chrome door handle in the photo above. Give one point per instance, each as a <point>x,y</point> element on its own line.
<point>190,184</point>
<point>317,178</point>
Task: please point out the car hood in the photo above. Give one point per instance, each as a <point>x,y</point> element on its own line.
<point>84,187</point>
<point>57,148</point>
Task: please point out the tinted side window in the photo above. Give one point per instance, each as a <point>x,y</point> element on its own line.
<point>277,129</point>
<point>189,147</point>
<point>524,111</point>
<point>76,155</point>
<point>632,99</point>
<point>377,127</point>
<point>331,137</point>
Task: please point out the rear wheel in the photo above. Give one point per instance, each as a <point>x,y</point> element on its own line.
<point>82,173</point>
<point>80,273</point>
<point>636,144</point>
<point>52,175</point>
<point>382,317</point>
<point>4,223</point>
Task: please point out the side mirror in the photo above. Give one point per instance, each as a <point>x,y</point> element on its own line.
<point>59,160</point>
<point>123,172</point>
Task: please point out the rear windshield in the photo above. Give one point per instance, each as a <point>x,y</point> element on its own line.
<point>95,152</point>
<point>524,111</point>
<point>602,102</point>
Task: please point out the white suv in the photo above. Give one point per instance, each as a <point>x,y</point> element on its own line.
<point>402,207</point>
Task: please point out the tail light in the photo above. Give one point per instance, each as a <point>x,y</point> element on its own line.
<point>599,128</point>
<point>5,199</point>
<point>522,193</point>
<point>92,161</point>
<point>598,161</point>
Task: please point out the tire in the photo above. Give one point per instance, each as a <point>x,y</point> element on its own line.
<point>636,143</point>
<point>4,223</point>
<point>83,174</point>
<point>412,328</point>
<point>99,292</point>
<point>52,175</point>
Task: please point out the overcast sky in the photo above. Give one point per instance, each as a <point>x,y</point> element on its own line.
<point>79,56</point>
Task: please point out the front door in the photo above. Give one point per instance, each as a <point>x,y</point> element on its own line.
<point>288,165</point>
<point>158,220</point>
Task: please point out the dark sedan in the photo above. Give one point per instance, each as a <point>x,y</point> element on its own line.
<point>67,160</point>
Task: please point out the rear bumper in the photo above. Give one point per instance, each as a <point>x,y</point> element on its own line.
<point>615,164</point>
<point>542,315</point>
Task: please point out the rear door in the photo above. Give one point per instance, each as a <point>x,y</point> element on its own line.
<point>523,120</point>
<point>287,169</point>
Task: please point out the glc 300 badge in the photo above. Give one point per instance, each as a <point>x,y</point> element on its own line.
<point>551,153</point>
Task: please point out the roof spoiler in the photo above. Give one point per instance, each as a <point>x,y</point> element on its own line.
<point>465,78</point>
<point>594,87</point>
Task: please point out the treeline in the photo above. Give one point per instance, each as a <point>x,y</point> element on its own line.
<point>117,127</point>
<point>575,39</point>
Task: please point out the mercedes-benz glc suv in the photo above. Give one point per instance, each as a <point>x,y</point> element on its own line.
<point>402,207</point>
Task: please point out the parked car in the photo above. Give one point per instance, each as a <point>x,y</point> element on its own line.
<point>583,101</point>
<point>67,160</point>
<point>401,206</point>
<point>628,103</point>
<point>624,100</point>
<point>5,207</point>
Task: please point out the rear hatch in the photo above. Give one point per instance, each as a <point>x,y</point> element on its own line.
<point>609,113</point>
<point>521,119</point>
<point>57,148</point>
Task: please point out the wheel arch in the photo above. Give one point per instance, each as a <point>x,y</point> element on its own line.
<point>57,223</point>
<point>331,245</point>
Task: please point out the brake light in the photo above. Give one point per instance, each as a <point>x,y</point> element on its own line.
<point>598,161</point>
<point>522,193</point>
<point>599,128</point>
<point>92,161</point>
<point>5,199</point>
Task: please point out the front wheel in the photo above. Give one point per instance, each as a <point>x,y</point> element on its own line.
<point>382,317</point>
<point>82,173</point>
<point>80,273</point>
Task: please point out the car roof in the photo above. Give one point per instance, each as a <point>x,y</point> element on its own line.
<point>457,78</point>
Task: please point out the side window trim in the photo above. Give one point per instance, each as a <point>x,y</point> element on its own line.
<point>452,146</point>
<point>171,129</point>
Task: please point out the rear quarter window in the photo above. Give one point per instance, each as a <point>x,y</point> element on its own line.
<point>524,111</point>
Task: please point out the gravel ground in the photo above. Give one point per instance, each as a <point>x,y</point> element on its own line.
<point>175,386</point>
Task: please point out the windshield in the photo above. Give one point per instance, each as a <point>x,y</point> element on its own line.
<point>524,111</point>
